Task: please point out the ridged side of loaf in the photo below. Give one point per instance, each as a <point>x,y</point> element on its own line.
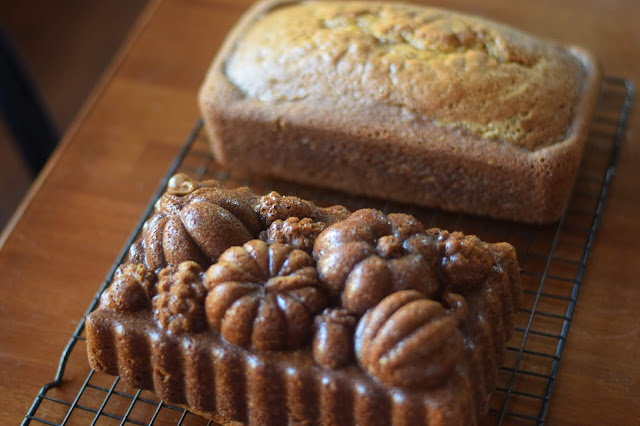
<point>229,384</point>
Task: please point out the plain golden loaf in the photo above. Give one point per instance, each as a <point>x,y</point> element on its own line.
<point>414,104</point>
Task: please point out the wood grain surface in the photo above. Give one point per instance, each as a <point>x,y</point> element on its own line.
<point>78,214</point>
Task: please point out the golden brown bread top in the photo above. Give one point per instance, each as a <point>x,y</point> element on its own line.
<point>459,72</point>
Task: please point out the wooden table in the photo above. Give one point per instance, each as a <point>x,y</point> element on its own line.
<point>77,216</point>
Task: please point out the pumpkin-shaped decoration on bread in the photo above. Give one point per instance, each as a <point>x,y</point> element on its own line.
<point>409,341</point>
<point>465,263</point>
<point>263,296</point>
<point>333,338</point>
<point>179,304</point>
<point>369,255</point>
<point>196,221</point>
<point>131,290</point>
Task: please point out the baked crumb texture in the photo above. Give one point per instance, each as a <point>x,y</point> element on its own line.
<point>413,104</point>
<point>380,321</point>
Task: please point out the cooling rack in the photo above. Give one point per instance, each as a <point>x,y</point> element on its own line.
<point>553,261</point>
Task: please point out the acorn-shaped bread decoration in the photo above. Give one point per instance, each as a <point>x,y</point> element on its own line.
<point>408,340</point>
<point>369,255</point>
<point>263,296</point>
<point>333,339</point>
<point>131,290</point>
<point>465,263</point>
<point>179,304</point>
<point>196,221</point>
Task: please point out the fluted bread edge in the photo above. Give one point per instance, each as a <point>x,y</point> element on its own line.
<point>227,383</point>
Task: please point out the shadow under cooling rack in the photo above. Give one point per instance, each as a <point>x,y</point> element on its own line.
<point>553,260</point>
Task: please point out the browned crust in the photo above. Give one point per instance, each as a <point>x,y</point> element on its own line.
<point>371,151</point>
<point>232,385</point>
<point>222,382</point>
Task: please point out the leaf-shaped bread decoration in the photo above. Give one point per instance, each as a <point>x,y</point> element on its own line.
<point>263,296</point>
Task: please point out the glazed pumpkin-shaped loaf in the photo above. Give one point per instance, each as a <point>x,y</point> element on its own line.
<point>259,338</point>
<point>263,296</point>
<point>408,340</point>
<point>370,255</point>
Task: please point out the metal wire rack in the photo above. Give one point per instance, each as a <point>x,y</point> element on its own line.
<point>553,260</point>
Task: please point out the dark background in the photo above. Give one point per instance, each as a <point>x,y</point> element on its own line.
<point>63,66</point>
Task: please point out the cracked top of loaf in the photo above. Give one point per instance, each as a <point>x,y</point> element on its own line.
<point>457,71</point>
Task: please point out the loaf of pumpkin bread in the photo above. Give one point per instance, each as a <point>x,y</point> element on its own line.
<point>273,311</point>
<point>413,104</point>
